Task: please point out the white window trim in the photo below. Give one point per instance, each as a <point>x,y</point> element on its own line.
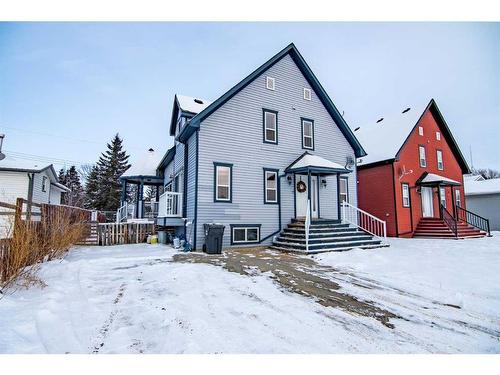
<point>420,159</point>
<point>246,234</point>
<point>217,185</point>
<point>306,92</point>
<point>438,153</point>
<point>438,136</point>
<point>442,196</point>
<point>420,130</point>
<point>406,194</point>
<point>270,83</point>
<point>268,188</point>
<point>266,128</point>
<point>458,198</point>
<point>346,194</point>
<point>44,184</point>
<point>304,136</point>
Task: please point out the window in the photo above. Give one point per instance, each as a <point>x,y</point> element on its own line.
<point>245,233</point>
<point>44,183</point>
<point>439,155</point>
<point>421,153</point>
<point>420,130</point>
<point>442,196</point>
<point>307,93</point>
<point>307,134</point>
<point>270,119</point>
<point>438,136</point>
<point>458,200</point>
<point>270,83</point>
<point>270,186</point>
<point>406,195</point>
<point>343,190</point>
<point>223,181</point>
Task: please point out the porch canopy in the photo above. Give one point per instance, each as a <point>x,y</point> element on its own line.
<point>308,163</point>
<point>144,170</point>
<point>431,179</point>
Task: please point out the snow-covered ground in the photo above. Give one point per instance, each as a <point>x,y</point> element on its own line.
<point>134,298</point>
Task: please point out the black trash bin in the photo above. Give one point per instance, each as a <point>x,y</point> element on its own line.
<point>213,238</point>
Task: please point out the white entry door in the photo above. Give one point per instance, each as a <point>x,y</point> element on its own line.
<point>301,196</point>
<point>427,203</point>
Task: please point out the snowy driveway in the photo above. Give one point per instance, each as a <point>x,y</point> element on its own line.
<point>151,299</point>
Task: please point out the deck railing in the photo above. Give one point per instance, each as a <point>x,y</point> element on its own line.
<point>363,220</point>
<point>124,212</point>
<point>472,219</point>
<point>170,204</point>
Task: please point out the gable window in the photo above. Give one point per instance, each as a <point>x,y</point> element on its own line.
<point>438,136</point>
<point>307,134</point>
<point>421,155</point>
<point>245,233</point>
<point>439,155</point>
<point>44,183</point>
<point>307,93</point>
<point>223,176</point>
<point>406,194</point>
<point>343,190</point>
<point>270,119</point>
<point>270,186</point>
<point>270,83</point>
<point>442,196</point>
<point>458,199</point>
<point>420,130</point>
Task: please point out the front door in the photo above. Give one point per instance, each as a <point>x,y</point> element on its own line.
<point>301,194</point>
<point>427,203</point>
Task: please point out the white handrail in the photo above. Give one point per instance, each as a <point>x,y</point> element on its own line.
<point>170,204</point>
<point>364,220</point>
<point>307,224</point>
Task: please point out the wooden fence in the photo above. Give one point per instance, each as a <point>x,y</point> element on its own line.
<point>123,233</point>
<point>37,231</point>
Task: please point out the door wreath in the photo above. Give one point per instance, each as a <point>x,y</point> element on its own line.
<point>301,186</point>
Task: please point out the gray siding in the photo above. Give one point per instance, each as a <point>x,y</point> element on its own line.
<point>191,183</point>
<point>233,134</point>
<point>487,206</point>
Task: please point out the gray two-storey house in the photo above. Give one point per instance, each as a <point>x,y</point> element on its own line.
<point>270,159</point>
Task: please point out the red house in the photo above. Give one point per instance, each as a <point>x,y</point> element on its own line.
<point>412,176</point>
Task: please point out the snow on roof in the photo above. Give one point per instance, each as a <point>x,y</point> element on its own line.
<point>192,105</point>
<point>473,177</point>
<point>145,165</point>
<point>309,160</point>
<point>22,165</point>
<point>382,140</point>
<point>491,186</point>
<point>431,177</point>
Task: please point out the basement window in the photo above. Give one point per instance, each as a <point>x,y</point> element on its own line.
<point>245,234</point>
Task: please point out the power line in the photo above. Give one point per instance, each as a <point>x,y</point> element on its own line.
<point>45,159</point>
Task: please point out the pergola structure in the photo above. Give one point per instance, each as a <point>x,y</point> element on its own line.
<point>142,173</point>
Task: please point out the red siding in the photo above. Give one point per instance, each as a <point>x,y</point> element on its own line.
<point>377,184</point>
<point>376,194</point>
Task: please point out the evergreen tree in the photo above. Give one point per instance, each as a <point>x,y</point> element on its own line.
<point>76,196</point>
<point>92,189</point>
<point>111,165</point>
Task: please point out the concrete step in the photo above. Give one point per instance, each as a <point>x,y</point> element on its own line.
<point>329,245</point>
<point>323,240</point>
<point>322,235</point>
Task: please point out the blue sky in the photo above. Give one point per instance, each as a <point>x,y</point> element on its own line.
<point>66,88</point>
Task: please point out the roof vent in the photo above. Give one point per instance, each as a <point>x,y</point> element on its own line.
<point>151,150</point>
<point>406,110</point>
<point>380,120</point>
<point>359,127</point>
<point>199,101</point>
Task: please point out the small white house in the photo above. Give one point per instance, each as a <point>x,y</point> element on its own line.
<point>29,180</point>
<point>483,197</point>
